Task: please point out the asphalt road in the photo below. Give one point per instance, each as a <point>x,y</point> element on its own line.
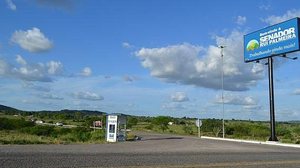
<point>159,151</point>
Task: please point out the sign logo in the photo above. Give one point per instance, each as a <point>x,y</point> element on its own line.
<point>252,45</point>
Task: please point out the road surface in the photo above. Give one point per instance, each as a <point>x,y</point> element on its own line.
<point>154,150</point>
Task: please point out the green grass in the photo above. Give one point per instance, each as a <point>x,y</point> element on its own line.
<point>15,137</point>
<point>248,130</point>
<point>18,130</point>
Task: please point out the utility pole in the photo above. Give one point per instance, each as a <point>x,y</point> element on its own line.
<point>222,59</point>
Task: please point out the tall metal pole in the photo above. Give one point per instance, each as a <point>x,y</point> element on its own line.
<point>271,99</point>
<point>223,123</point>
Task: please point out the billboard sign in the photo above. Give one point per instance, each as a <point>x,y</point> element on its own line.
<point>97,124</point>
<point>274,40</point>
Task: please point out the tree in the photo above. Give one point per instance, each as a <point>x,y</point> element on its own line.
<point>188,130</point>
<point>131,122</point>
<point>161,122</point>
<point>216,131</point>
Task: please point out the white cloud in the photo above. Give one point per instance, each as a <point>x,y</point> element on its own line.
<point>195,65</point>
<point>21,60</point>
<point>50,96</point>
<point>128,78</point>
<point>37,102</point>
<point>252,107</point>
<point>236,100</point>
<point>179,97</point>
<point>265,7</point>
<point>173,106</point>
<point>30,85</point>
<point>87,96</point>
<point>277,19</point>
<point>87,71</point>
<point>32,40</point>
<point>11,5</point>
<point>127,45</point>
<point>31,72</point>
<point>4,68</point>
<point>296,92</point>
<point>54,67</point>
<point>241,20</point>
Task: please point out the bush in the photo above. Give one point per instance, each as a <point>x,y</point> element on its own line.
<point>229,130</point>
<point>188,130</point>
<point>13,124</point>
<point>161,122</point>
<point>210,124</point>
<point>283,131</point>
<point>296,130</point>
<point>98,135</point>
<point>241,129</point>
<point>81,134</point>
<point>131,121</point>
<point>149,127</point>
<point>259,131</point>
<point>39,130</point>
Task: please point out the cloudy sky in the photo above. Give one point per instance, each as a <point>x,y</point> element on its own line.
<point>143,57</point>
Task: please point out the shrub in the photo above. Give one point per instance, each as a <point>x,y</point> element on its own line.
<point>98,135</point>
<point>210,124</point>
<point>283,131</point>
<point>260,131</point>
<point>81,134</point>
<point>149,127</point>
<point>13,124</point>
<point>188,130</point>
<point>241,129</point>
<point>39,130</point>
<point>229,130</point>
<point>161,122</point>
<point>131,121</point>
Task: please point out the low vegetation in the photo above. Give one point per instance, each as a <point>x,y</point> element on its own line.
<point>18,127</point>
<point>237,129</point>
<point>19,131</point>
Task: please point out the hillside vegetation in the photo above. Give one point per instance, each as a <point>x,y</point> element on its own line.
<point>18,127</point>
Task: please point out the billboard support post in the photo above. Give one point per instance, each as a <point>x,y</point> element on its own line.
<point>271,99</point>
<point>276,40</point>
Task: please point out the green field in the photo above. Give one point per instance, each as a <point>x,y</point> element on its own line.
<point>17,127</point>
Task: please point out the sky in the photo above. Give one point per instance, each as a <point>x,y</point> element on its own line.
<point>145,58</point>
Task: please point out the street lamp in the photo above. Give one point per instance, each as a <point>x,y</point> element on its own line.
<point>222,55</point>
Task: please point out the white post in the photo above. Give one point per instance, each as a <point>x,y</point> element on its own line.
<point>199,135</point>
<point>94,126</point>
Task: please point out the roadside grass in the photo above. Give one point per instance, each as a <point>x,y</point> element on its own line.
<point>247,130</point>
<point>15,137</point>
<point>19,130</point>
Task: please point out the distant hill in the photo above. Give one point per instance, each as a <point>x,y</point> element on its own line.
<point>86,112</point>
<point>11,110</point>
<point>6,108</point>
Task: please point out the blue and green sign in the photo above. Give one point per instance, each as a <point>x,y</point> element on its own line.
<point>271,41</point>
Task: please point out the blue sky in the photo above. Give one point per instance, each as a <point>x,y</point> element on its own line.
<point>142,57</point>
